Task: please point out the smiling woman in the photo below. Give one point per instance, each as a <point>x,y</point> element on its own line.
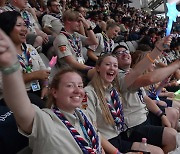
<point>104,106</point>
<point>35,74</point>
<point>69,93</point>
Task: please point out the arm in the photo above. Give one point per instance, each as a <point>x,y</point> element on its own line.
<point>73,63</point>
<point>91,55</point>
<point>146,62</point>
<point>107,146</point>
<point>91,37</point>
<point>82,30</point>
<point>48,31</point>
<point>177,74</point>
<point>63,5</point>
<point>22,108</point>
<point>155,109</point>
<point>156,76</point>
<point>42,34</point>
<point>36,75</point>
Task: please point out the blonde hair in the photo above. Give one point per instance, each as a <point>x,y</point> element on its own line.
<point>70,15</point>
<point>99,88</point>
<point>55,84</point>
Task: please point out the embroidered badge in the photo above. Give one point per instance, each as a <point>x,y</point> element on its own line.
<point>62,48</point>
<point>84,102</point>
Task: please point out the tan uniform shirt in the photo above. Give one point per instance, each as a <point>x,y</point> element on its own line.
<point>98,49</point>
<point>63,47</point>
<point>50,135</point>
<point>135,111</point>
<point>52,22</point>
<point>32,23</point>
<point>95,114</point>
<point>37,63</point>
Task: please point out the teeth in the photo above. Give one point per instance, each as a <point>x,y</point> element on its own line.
<point>76,97</point>
<point>110,73</point>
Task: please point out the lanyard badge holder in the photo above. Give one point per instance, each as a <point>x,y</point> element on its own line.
<point>35,85</point>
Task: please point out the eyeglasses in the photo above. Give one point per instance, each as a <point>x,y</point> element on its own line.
<point>122,52</point>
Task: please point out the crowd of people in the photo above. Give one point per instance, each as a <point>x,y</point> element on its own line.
<point>103,98</point>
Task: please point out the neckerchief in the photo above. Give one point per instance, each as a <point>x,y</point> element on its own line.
<point>108,44</point>
<point>140,94</point>
<point>25,59</point>
<point>75,43</point>
<point>117,110</point>
<point>80,140</point>
<point>12,7</point>
<point>56,15</point>
<point>26,19</point>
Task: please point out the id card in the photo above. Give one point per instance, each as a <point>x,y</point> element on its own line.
<point>35,86</point>
<point>80,60</point>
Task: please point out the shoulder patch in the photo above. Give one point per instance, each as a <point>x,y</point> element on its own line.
<point>84,102</point>
<point>62,48</point>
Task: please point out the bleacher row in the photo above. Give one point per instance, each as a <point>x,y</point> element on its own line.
<point>131,45</point>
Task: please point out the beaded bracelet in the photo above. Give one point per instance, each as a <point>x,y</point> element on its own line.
<point>150,59</point>
<point>11,69</point>
<point>159,113</point>
<point>46,84</point>
<point>117,152</point>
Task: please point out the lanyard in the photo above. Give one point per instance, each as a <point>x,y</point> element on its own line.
<point>75,43</point>
<point>26,61</point>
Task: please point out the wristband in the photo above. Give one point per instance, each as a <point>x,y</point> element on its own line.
<point>117,152</point>
<point>159,113</point>
<point>149,58</point>
<point>11,69</point>
<point>45,84</point>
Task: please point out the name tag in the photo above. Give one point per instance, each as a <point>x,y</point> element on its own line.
<point>35,86</point>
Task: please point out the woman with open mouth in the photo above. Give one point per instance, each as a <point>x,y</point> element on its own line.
<point>104,106</point>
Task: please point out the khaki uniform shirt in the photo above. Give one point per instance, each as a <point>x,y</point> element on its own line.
<point>135,111</point>
<point>32,25</point>
<point>63,47</point>
<point>50,135</point>
<point>98,49</point>
<point>95,114</point>
<point>37,63</point>
<point>52,22</point>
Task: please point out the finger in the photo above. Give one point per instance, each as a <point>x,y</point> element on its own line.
<point>4,37</point>
<point>42,96</point>
<point>3,49</point>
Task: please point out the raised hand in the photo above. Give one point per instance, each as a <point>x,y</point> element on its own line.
<point>163,43</point>
<point>8,54</point>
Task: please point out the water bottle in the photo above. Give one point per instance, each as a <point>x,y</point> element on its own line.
<point>143,147</point>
